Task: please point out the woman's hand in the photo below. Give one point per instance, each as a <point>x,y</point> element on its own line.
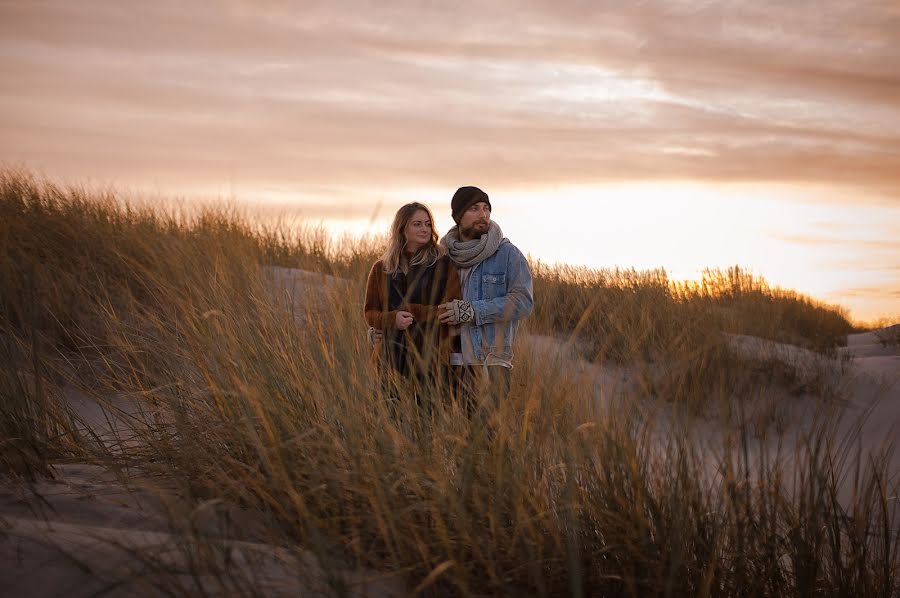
<point>403,320</point>
<point>375,336</point>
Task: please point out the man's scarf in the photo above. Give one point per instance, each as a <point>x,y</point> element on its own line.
<point>466,254</point>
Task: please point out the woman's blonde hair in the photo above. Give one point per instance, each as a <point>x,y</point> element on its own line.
<point>428,254</point>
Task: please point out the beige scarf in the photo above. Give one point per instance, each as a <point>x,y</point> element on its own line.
<point>466,254</point>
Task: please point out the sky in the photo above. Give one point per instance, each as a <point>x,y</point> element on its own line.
<point>661,133</point>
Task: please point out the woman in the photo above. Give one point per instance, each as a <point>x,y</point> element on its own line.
<point>403,292</point>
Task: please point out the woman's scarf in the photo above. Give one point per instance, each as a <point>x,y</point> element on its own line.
<point>466,254</point>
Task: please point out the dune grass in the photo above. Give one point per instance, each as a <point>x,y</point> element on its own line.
<point>249,399</point>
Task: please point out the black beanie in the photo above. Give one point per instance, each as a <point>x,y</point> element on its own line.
<point>465,197</point>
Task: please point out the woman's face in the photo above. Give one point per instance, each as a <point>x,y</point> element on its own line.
<point>418,230</point>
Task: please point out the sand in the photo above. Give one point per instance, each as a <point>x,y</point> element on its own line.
<point>85,533</point>
<point>865,413</point>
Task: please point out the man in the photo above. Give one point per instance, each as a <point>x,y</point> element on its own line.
<point>497,293</point>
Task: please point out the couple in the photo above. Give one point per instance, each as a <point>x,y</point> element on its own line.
<point>447,312</point>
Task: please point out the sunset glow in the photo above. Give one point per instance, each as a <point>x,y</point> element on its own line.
<point>657,134</point>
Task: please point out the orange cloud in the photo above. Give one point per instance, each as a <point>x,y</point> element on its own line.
<point>363,96</point>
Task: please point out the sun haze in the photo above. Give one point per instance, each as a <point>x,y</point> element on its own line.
<point>666,133</point>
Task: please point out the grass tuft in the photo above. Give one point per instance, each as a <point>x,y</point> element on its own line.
<point>240,393</point>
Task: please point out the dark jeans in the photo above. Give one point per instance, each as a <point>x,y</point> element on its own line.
<point>475,388</point>
<point>479,388</point>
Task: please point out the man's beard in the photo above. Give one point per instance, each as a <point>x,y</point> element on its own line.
<point>476,231</point>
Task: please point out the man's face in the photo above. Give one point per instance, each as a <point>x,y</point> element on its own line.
<point>475,221</point>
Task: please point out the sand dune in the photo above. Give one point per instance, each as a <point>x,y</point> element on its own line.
<point>86,533</point>
<point>875,353</point>
<point>289,287</point>
<point>866,375</point>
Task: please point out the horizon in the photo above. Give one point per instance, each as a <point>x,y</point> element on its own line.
<point>655,135</point>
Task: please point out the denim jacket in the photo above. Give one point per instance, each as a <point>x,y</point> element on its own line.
<point>502,293</point>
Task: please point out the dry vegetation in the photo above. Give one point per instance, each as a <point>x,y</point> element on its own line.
<point>244,400</point>
<point>889,335</point>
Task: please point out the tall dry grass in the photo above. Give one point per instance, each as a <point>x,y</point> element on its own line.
<point>679,336</point>
<point>251,399</point>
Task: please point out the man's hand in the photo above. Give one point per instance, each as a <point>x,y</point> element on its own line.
<point>403,320</point>
<point>457,312</point>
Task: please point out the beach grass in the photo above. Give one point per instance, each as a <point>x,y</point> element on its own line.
<point>242,395</point>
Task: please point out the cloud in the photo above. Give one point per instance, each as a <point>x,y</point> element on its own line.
<point>870,292</point>
<point>369,96</point>
<point>887,246</point>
